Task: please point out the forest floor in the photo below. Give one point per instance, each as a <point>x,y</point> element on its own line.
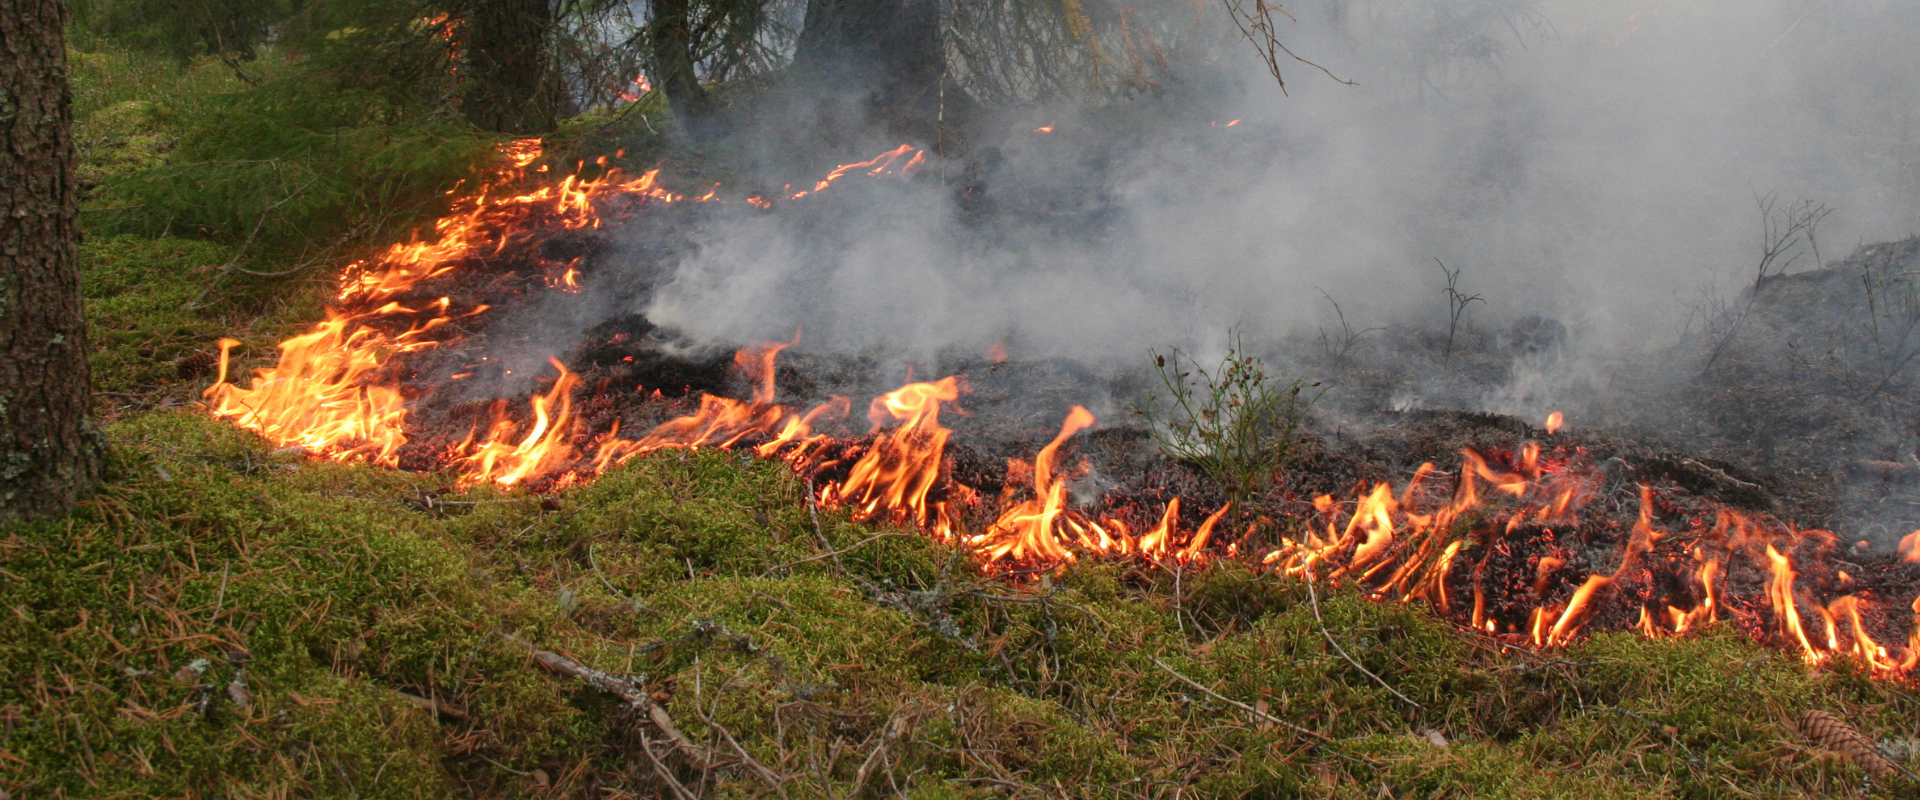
<point>226,619</point>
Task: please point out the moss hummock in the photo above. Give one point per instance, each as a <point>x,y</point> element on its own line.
<point>224,620</point>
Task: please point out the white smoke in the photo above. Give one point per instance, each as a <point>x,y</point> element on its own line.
<point>1592,162</point>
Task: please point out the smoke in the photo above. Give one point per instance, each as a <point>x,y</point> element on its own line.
<point>1594,163</point>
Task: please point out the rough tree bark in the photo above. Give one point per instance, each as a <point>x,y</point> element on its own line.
<point>50,455</point>
<point>670,53</point>
<point>510,82</point>
<point>890,48</point>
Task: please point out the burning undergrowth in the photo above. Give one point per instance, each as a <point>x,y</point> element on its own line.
<point>432,360</point>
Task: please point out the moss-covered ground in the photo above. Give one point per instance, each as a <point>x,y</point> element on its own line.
<point>224,620</point>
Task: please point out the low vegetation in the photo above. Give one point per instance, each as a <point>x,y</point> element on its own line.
<point>1234,422</point>
<point>226,619</point>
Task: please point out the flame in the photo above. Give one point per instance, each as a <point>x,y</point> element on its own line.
<point>898,473</point>
<point>1786,610</point>
<point>336,392</point>
<point>1038,529</point>
<point>542,451</point>
<point>997,353</point>
<point>331,394</point>
<point>640,87</point>
<point>878,165</point>
<point>1043,129</point>
<point>1910,548</point>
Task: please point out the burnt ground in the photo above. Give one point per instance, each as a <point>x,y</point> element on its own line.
<point>1796,414</point>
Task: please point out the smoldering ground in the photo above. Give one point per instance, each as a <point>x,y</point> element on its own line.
<point>1590,174</point>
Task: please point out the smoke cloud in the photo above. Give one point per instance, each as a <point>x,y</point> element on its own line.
<point>1595,163</point>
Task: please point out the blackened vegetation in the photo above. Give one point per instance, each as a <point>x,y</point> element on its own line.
<point>636,374</point>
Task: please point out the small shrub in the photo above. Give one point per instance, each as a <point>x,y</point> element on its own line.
<point>1235,423</point>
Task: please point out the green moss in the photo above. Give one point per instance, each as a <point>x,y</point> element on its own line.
<point>135,291</point>
<point>330,592</point>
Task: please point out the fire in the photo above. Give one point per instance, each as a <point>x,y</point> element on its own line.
<point>897,475</point>
<point>638,90</point>
<point>544,449</point>
<point>875,167</point>
<point>336,392</point>
<point>331,394</point>
<point>1037,529</point>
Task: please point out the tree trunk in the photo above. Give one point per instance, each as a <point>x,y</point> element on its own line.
<point>510,82</point>
<point>890,48</point>
<point>670,53</point>
<point>50,454</point>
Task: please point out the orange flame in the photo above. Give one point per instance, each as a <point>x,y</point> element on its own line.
<point>1038,529</point>
<point>542,451</point>
<point>328,394</point>
<point>897,474</point>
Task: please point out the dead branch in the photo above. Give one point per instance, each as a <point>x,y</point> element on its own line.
<point>897,725</point>
<point>435,707</point>
<point>774,780</point>
<point>833,554</point>
<point>813,510</point>
<point>619,687</point>
<point>1257,24</point>
<point>234,261</point>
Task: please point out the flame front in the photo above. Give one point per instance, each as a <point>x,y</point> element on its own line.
<point>335,393</point>
<point>330,392</point>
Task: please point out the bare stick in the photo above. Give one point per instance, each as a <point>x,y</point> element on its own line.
<point>833,554</point>
<point>1257,713</point>
<point>661,770</point>
<point>896,727</point>
<point>436,707</point>
<point>1313,598</point>
<point>773,780</point>
<point>618,687</point>
<point>233,262</point>
<point>813,510</point>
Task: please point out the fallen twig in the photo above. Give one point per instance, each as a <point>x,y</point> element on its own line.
<point>833,554</point>
<point>1313,598</point>
<point>896,727</point>
<point>618,687</point>
<point>1262,715</point>
<point>234,262</point>
<point>436,707</point>
<point>813,511</point>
